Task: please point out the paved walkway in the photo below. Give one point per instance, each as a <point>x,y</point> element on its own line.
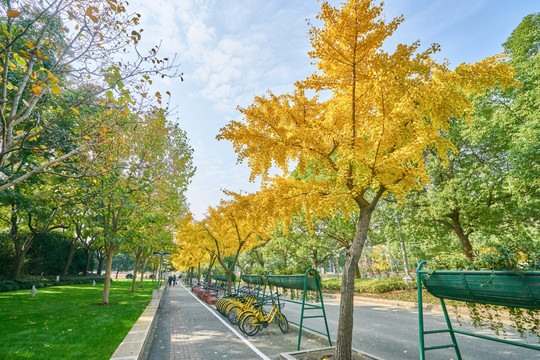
<point>189,329</point>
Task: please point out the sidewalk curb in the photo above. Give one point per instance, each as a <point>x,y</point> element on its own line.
<point>133,345</point>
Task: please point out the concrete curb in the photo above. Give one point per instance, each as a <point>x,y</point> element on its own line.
<point>290,355</point>
<point>133,345</point>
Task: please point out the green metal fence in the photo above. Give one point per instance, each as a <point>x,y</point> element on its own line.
<point>519,289</point>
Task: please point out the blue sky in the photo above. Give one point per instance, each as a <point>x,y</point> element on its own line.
<point>233,50</point>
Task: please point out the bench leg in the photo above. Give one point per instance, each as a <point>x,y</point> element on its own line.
<point>452,335</point>
<point>421,320</point>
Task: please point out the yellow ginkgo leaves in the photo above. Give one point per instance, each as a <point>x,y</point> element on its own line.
<point>36,89</point>
<point>90,12</point>
<point>13,13</point>
<point>55,90</point>
<point>20,60</point>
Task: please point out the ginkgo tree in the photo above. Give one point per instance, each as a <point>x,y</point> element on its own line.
<point>365,137</point>
<point>227,230</point>
<point>231,228</point>
<point>190,254</point>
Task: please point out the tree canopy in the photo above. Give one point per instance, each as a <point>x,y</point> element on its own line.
<point>368,138</point>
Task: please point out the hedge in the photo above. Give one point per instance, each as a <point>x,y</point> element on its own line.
<point>370,285</point>
<point>41,282</point>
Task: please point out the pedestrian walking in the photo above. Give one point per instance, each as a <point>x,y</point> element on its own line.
<point>174,280</point>
<point>170,280</point>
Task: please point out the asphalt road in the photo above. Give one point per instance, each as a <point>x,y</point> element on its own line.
<point>392,333</point>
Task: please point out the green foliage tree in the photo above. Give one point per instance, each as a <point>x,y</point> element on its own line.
<point>488,190</point>
<point>49,252</point>
<point>55,58</point>
<point>149,164</point>
<point>32,210</point>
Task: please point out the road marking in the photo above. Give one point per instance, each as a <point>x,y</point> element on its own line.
<point>238,335</point>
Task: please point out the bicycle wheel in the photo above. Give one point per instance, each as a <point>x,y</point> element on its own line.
<point>250,325</point>
<point>242,314</point>
<point>220,305</point>
<point>233,314</point>
<point>283,323</point>
<point>228,307</point>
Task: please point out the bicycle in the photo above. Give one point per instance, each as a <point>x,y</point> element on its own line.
<point>253,321</point>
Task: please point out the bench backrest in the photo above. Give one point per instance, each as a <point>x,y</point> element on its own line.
<point>293,282</point>
<point>506,288</point>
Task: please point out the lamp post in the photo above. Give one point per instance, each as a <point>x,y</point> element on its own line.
<point>161,254</point>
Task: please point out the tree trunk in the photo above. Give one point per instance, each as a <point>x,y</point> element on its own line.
<point>407,276</point>
<point>260,260</point>
<point>100,262</point>
<point>343,349</point>
<point>20,253</point>
<point>210,266</point>
<point>142,272</point>
<point>108,267</point>
<point>86,262</point>
<point>154,272</point>
<point>465,242</point>
<point>70,258</point>
<point>229,280</point>
<point>18,264</point>
<point>463,237</point>
<point>137,260</point>
<point>21,246</point>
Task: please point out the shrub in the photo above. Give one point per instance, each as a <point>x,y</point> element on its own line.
<point>41,282</point>
<point>380,285</point>
<point>331,284</point>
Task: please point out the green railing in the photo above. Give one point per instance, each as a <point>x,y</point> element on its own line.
<point>519,289</point>
<point>310,280</point>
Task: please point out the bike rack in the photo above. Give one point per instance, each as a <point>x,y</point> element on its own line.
<point>310,280</point>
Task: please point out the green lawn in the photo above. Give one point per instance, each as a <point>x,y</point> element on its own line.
<point>61,322</point>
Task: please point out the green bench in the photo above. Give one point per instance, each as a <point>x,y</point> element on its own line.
<point>507,288</point>
<point>310,280</point>
<point>223,277</point>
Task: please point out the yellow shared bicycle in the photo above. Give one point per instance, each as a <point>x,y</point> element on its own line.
<point>251,323</point>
